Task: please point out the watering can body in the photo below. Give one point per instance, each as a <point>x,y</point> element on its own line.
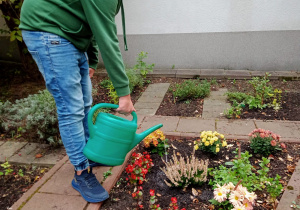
<point>112,137</point>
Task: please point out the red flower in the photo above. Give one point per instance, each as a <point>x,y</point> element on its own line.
<point>133,195</point>
<point>174,200</point>
<point>140,182</point>
<point>273,143</point>
<point>183,209</point>
<point>283,146</point>
<point>141,206</point>
<point>152,192</point>
<point>133,176</point>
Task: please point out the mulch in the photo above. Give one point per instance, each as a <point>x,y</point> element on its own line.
<point>120,196</point>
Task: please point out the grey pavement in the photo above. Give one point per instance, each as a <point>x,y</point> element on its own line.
<point>54,189</point>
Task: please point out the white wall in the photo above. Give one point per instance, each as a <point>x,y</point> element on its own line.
<point>202,16</point>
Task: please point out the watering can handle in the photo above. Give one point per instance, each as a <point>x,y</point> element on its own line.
<point>104,105</point>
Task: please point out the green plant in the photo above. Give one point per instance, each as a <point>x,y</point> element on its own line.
<point>265,142</point>
<point>35,117</point>
<point>191,89</point>
<point>276,99</point>
<point>238,97</point>
<point>142,66</point>
<point>242,169</point>
<point>295,205</point>
<point>182,173</point>
<point>7,169</point>
<point>235,110</point>
<point>153,200</point>
<point>135,79</point>
<point>210,142</point>
<point>213,81</point>
<point>20,172</point>
<point>106,174</point>
<point>157,143</point>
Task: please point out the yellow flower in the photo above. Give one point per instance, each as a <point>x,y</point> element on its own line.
<point>224,144</point>
<point>212,142</point>
<point>218,145</point>
<point>217,149</point>
<point>206,143</point>
<point>196,147</point>
<point>204,140</point>
<point>215,138</point>
<point>162,138</point>
<point>222,136</point>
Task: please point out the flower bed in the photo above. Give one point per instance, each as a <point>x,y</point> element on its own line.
<point>197,192</point>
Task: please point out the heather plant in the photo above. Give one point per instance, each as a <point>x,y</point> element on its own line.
<point>33,117</point>
<point>234,197</point>
<point>265,142</point>
<point>139,167</point>
<point>182,173</point>
<point>191,89</point>
<point>210,142</point>
<point>157,143</point>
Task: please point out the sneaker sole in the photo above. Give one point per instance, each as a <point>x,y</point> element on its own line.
<point>87,198</point>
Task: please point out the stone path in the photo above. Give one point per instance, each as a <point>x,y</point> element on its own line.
<point>54,191</point>
<point>215,104</point>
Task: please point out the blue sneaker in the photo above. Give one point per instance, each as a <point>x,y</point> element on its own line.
<point>89,187</point>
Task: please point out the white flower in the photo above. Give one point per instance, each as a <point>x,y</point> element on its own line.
<point>251,197</point>
<point>242,190</point>
<point>220,194</point>
<point>239,207</point>
<point>235,198</point>
<point>230,186</point>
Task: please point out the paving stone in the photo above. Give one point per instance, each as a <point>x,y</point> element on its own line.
<point>169,123</point>
<point>54,201</point>
<point>212,73</point>
<point>60,182</point>
<point>146,112</point>
<point>292,190</point>
<point>283,128</point>
<point>141,105</point>
<point>49,159</point>
<point>2,142</point>
<point>195,125</point>
<point>170,73</point>
<point>237,74</point>
<point>155,94</point>
<point>150,99</point>
<point>157,87</point>
<point>9,148</point>
<point>26,155</point>
<point>235,127</point>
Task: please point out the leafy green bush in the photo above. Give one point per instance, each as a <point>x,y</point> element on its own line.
<point>252,178</point>
<point>237,96</point>
<point>35,117</point>
<point>191,89</point>
<point>141,66</point>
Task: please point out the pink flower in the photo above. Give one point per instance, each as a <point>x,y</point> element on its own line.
<point>262,135</point>
<point>273,143</point>
<point>247,204</point>
<point>283,146</point>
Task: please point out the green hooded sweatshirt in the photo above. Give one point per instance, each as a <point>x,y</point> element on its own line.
<point>88,24</point>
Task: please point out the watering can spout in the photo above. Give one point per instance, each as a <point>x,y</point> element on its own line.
<point>140,137</point>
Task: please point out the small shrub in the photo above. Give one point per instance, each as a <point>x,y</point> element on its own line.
<point>234,111</point>
<point>265,142</point>
<point>182,173</point>
<point>210,142</point>
<point>157,143</point>
<point>34,116</point>
<point>239,97</point>
<point>191,89</point>
<point>141,66</point>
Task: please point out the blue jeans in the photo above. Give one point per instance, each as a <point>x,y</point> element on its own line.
<point>66,73</point>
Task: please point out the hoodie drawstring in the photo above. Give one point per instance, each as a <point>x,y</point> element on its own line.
<point>123,25</point>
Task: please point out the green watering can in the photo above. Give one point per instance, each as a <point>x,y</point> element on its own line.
<point>112,137</point>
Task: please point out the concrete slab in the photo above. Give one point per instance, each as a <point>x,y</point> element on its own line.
<point>212,73</point>
<point>235,127</point>
<point>9,148</point>
<point>188,73</point>
<point>54,201</point>
<point>146,112</point>
<point>170,73</point>
<point>141,105</point>
<point>2,142</point>
<point>26,155</point>
<point>284,128</point>
<point>169,123</point>
<point>49,159</point>
<point>195,125</point>
<point>155,94</point>
<point>292,190</point>
<point>157,87</point>
<point>60,183</point>
<point>237,74</point>
<point>145,98</point>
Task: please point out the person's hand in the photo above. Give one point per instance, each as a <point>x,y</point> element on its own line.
<point>125,105</point>
<point>91,72</point>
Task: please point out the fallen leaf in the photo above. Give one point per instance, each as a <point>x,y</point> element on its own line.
<point>194,192</point>
<point>195,200</point>
<point>227,158</point>
<point>291,168</point>
<point>281,159</point>
<point>116,199</point>
<point>37,178</point>
<point>229,145</point>
<point>189,144</point>
<point>135,189</point>
<point>158,194</point>
<point>178,153</point>
<point>42,171</point>
<point>289,158</point>
<point>271,157</point>
<point>38,155</point>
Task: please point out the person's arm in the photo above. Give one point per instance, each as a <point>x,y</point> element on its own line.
<point>101,18</point>
<point>93,54</point>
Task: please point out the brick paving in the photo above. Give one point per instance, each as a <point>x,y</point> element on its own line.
<point>54,190</point>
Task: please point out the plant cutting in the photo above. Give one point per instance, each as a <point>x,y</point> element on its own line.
<point>138,195</point>
<point>210,142</point>
<point>265,142</point>
<point>157,143</point>
<point>139,167</point>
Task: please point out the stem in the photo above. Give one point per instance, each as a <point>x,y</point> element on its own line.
<point>237,184</point>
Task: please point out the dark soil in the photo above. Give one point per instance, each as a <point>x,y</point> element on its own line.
<point>120,196</point>
<point>13,186</point>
